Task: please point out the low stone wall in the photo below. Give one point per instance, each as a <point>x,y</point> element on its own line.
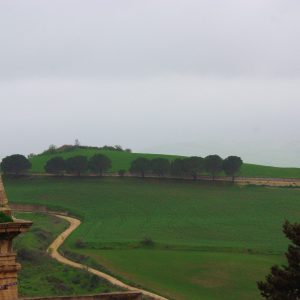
<point>33,208</point>
<point>108,296</point>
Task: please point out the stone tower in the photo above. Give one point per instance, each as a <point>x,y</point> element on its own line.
<point>8,265</point>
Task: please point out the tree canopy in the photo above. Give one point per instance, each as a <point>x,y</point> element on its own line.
<point>213,164</point>
<point>55,165</point>
<point>176,167</point>
<point>160,166</point>
<point>77,164</point>
<point>193,166</point>
<point>232,165</point>
<point>15,164</point>
<point>140,166</point>
<point>283,283</point>
<point>99,163</point>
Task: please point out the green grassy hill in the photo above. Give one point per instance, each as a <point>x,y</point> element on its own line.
<point>122,160</point>
<point>210,241</point>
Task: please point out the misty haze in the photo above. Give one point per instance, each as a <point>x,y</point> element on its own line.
<point>178,77</point>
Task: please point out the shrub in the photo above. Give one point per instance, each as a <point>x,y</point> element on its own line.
<point>122,172</point>
<point>5,218</point>
<point>30,255</point>
<point>147,242</point>
<point>80,243</point>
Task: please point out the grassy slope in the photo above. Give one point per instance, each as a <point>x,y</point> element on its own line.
<point>191,275</point>
<point>122,160</point>
<point>234,226</point>
<point>252,170</point>
<point>124,211</point>
<point>42,276</point>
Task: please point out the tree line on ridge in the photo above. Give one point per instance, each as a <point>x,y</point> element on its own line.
<point>186,167</point>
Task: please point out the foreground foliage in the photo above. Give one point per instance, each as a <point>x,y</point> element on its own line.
<point>283,283</point>
<point>5,218</point>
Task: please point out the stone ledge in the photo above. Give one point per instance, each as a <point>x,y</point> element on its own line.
<point>108,296</point>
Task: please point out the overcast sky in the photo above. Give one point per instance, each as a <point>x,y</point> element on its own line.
<point>186,77</point>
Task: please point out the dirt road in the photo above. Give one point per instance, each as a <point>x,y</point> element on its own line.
<point>53,251</point>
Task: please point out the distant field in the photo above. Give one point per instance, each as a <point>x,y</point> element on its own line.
<point>42,276</point>
<point>122,160</point>
<point>251,170</point>
<point>193,226</point>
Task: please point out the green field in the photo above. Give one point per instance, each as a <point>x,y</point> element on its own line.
<point>210,241</point>
<point>42,276</point>
<point>122,160</point>
<point>190,274</point>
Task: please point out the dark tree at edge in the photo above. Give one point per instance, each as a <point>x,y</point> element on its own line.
<point>283,282</point>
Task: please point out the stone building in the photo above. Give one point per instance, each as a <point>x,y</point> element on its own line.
<point>8,266</point>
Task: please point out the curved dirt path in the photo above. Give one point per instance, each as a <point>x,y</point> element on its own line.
<point>53,251</point>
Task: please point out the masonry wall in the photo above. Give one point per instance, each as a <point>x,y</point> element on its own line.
<point>109,296</point>
<point>32,207</point>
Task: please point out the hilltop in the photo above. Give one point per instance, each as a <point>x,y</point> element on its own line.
<point>121,159</point>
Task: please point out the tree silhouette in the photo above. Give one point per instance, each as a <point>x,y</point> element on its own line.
<point>160,166</point>
<point>55,165</point>
<point>140,165</point>
<point>99,163</point>
<point>232,165</point>
<point>283,282</point>
<point>76,164</point>
<point>193,166</point>
<point>15,164</point>
<point>213,165</point>
<point>177,167</point>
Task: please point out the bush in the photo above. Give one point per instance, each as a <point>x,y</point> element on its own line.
<point>147,242</point>
<point>30,255</point>
<point>5,218</point>
<point>122,172</point>
<point>58,286</point>
<point>51,150</point>
<point>80,243</point>
<point>42,235</point>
